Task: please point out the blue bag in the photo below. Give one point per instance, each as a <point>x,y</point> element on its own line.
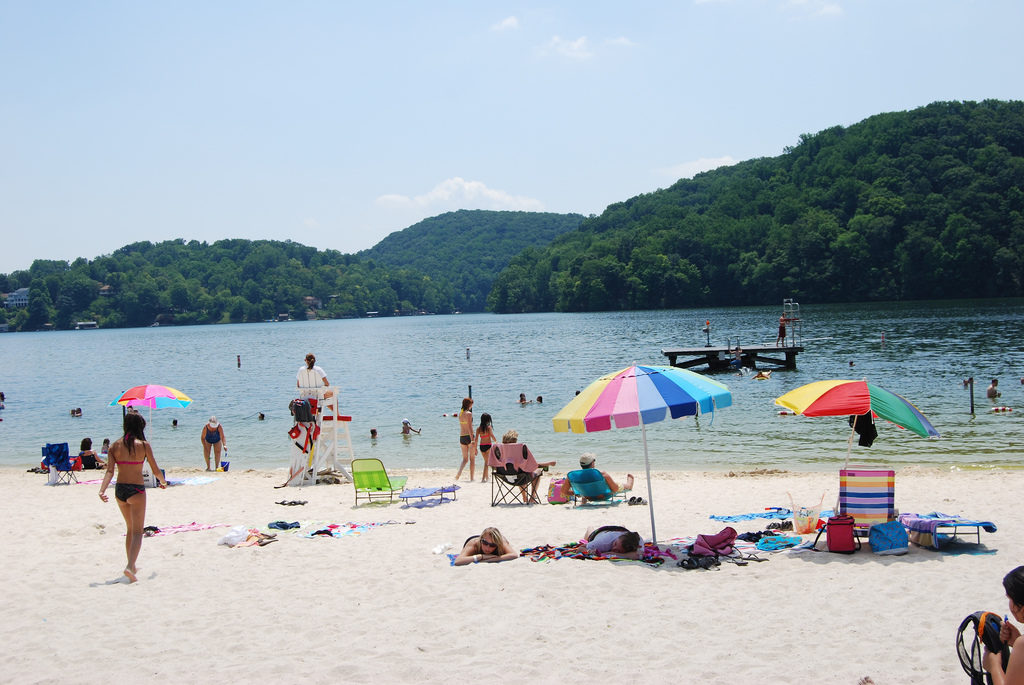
<point>888,538</point>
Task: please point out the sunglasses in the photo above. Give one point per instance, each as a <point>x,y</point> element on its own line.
<point>488,543</point>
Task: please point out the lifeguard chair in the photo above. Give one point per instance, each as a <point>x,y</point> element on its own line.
<point>322,446</point>
<point>791,313</point>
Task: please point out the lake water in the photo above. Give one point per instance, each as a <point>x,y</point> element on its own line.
<point>388,369</point>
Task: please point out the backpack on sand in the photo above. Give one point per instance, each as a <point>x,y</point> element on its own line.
<point>888,538</point>
<point>977,631</point>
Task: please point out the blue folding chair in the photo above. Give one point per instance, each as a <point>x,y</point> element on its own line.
<point>56,456</point>
<point>590,483</point>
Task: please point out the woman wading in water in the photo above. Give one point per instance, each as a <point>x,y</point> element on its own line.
<point>128,455</point>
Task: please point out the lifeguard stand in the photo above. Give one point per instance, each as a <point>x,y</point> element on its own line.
<point>331,450</point>
<point>334,444</point>
<point>791,313</point>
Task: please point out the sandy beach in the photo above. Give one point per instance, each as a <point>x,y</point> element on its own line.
<point>382,606</point>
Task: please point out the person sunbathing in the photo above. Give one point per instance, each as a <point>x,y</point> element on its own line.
<point>490,546</point>
<point>524,480</point>
<point>614,541</point>
<point>588,460</point>
<point>1013,583</point>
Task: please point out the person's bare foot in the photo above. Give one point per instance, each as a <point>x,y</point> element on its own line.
<point>866,681</point>
<point>130,576</point>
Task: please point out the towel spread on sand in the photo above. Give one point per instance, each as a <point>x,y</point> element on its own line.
<point>578,550</point>
<point>185,528</point>
<point>769,513</point>
<point>340,530</point>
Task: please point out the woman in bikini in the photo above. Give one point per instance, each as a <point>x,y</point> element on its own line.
<point>484,440</point>
<point>466,439</point>
<point>128,455</point>
<point>490,546</point>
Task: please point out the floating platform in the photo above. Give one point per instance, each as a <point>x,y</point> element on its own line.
<point>721,358</point>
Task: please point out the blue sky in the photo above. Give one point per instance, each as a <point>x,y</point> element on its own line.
<point>336,123</point>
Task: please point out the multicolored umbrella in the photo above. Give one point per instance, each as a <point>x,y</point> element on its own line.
<point>152,396</point>
<point>638,395</point>
<point>845,398</point>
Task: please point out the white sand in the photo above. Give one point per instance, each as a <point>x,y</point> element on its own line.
<point>382,607</point>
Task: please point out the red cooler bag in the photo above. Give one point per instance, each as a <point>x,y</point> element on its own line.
<point>839,535</point>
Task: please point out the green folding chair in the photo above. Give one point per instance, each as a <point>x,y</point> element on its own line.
<point>372,482</point>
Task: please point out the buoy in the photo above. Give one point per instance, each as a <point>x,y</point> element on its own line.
<point>1002,409</point>
<point>785,413</point>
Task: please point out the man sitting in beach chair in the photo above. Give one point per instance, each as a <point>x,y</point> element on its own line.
<point>513,466</point>
<point>587,487</point>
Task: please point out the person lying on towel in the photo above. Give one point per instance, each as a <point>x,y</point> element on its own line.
<point>490,546</point>
<point>614,541</point>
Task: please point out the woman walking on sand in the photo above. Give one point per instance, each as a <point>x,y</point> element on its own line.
<point>466,441</point>
<point>128,455</point>
<point>484,440</point>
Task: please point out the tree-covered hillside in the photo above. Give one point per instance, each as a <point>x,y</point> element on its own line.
<point>905,205</point>
<point>467,249</point>
<point>453,259</point>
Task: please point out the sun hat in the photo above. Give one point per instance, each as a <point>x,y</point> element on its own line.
<point>213,421</point>
<point>405,421</point>
<point>586,459</point>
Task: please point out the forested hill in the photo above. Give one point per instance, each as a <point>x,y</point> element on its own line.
<point>232,281</point>
<point>468,248</point>
<point>905,205</point>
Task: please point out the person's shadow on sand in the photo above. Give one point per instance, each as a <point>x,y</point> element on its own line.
<point>120,580</point>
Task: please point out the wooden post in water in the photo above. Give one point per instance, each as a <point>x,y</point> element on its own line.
<point>970,384</point>
<point>470,395</point>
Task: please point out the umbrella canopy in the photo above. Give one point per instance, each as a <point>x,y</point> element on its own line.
<point>842,398</point>
<point>638,395</point>
<point>152,396</point>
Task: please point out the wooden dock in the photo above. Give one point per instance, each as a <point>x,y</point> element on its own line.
<point>721,358</point>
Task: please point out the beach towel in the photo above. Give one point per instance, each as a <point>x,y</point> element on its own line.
<point>341,530</point>
<point>182,528</point>
<point>578,550</point>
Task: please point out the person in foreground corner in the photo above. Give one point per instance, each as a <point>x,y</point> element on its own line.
<point>490,546</point>
<point>614,541</point>
<point>1013,583</point>
<point>128,455</point>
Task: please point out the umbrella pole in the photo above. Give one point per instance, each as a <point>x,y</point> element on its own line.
<point>650,497</point>
<point>849,444</point>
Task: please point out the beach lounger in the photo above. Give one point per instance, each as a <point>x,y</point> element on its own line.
<point>868,496</point>
<point>590,483</point>
<point>422,493</point>
<point>513,471</point>
<point>56,456</point>
<point>371,481</point>
<point>937,530</point>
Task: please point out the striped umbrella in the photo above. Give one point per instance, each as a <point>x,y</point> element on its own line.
<point>638,395</point>
<point>854,398</point>
<point>152,396</point>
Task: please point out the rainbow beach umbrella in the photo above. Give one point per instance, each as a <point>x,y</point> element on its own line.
<point>152,396</point>
<point>854,398</point>
<point>638,395</point>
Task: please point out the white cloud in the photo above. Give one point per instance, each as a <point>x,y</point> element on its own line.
<point>691,169</point>
<point>621,41</point>
<point>506,24</point>
<point>815,8</point>
<point>311,223</point>
<point>458,193</point>
<point>578,49</point>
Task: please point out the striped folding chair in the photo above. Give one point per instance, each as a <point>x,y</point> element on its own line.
<point>867,496</point>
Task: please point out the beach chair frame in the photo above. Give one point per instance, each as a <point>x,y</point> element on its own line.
<point>372,482</point>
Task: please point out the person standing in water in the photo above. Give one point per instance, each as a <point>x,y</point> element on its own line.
<point>484,440</point>
<point>213,436</point>
<point>466,441</point>
<point>127,456</point>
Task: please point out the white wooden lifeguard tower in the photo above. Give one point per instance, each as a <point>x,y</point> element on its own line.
<point>331,450</point>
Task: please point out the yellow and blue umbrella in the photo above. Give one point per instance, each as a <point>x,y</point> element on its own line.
<point>639,395</point>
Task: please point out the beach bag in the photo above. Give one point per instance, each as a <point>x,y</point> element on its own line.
<point>719,544</point>
<point>301,410</point>
<point>555,495</point>
<point>888,538</point>
<point>976,632</point>
<point>839,535</point>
